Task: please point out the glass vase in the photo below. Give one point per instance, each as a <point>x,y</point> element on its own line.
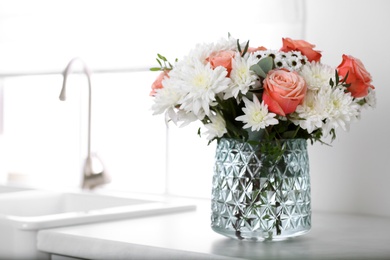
<point>261,192</point>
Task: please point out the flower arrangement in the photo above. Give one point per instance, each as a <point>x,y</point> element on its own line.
<point>238,91</point>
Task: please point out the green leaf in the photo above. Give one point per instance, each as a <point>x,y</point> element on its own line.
<point>155,69</point>
<point>258,70</point>
<point>331,83</point>
<point>161,57</point>
<point>345,78</point>
<point>362,102</point>
<point>333,134</point>
<point>236,131</point>
<point>246,49</point>
<point>289,134</point>
<point>238,45</point>
<point>266,64</point>
<point>337,78</point>
<point>159,62</point>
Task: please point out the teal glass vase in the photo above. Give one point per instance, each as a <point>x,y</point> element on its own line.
<point>261,192</point>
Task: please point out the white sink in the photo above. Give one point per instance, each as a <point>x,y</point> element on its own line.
<point>23,213</point>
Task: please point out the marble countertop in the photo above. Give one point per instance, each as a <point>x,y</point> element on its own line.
<point>187,235</point>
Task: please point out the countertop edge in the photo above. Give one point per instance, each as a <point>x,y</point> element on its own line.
<point>53,242</point>
<point>187,235</point>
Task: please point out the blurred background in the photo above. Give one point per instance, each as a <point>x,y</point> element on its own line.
<point>43,140</point>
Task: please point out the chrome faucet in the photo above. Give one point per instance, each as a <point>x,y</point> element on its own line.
<point>94,174</point>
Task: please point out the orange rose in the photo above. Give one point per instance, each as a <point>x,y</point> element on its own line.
<point>222,58</point>
<point>358,76</point>
<point>283,91</point>
<point>303,46</point>
<point>157,84</point>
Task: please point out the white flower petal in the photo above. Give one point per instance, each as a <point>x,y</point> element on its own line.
<point>217,127</point>
<point>256,115</point>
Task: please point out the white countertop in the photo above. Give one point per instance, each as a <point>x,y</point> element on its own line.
<point>187,235</point>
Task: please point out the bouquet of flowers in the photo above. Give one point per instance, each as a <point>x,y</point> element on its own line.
<point>238,91</point>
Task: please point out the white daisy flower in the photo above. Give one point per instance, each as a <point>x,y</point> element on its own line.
<point>294,63</point>
<point>266,53</point>
<point>317,75</point>
<point>201,84</point>
<point>241,75</point>
<point>297,54</point>
<point>260,54</point>
<point>270,53</point>
<point>281,62</point>
<point>217,127</point>
<point>256,115</point>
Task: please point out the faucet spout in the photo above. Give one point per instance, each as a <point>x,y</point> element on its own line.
<point>93,173</point>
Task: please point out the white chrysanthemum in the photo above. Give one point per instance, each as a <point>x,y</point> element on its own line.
<point>341,110</point>
<point>183,118</point>
<point>317,75</point>
<point>196,55</point>
<point>241,75</point>
<point>217,127</point>
<point>167,97</point>
<point>369,100</point>
<point>202,51</point>
<point>201,84</point>
<point>256,115</point>
<point>226,44</point>
<point>311,112</point>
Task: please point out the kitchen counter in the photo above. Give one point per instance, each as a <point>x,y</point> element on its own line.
<point>187,235</point>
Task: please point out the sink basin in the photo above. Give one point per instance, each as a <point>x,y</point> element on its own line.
<point>36,209</point>
<point>23,213</point>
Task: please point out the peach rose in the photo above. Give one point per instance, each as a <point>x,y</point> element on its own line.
<point>253,49</point>
<point>359,78</point>
<point>222,58</point>
<point>303,46</point>
<point>283,91</point>
<point>157,84</point>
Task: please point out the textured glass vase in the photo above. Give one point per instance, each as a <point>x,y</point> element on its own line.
<point>259,194</point>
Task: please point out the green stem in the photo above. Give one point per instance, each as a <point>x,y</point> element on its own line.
<point>278,222</point>
<point>296,132</point>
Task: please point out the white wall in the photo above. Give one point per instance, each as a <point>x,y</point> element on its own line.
<point>353,175</point>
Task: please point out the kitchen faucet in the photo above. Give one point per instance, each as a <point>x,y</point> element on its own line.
<point>93,172</point>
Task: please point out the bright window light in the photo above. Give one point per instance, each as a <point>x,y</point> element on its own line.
<point>44,140</point>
